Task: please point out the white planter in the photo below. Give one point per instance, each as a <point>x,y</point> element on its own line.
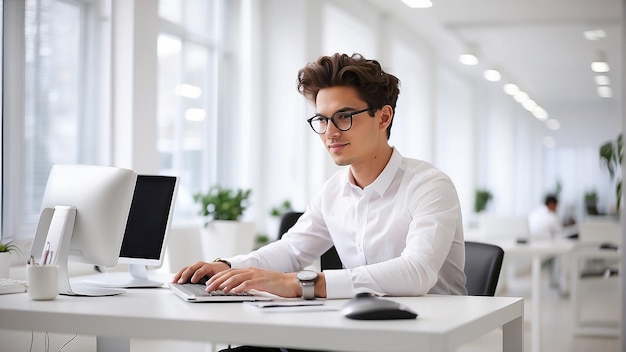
<point>221,238</point>
<point>5,263</point>
<point>273,225</point>
<point>183,247</point>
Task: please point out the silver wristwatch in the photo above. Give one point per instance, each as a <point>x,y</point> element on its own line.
<point>307,282</point>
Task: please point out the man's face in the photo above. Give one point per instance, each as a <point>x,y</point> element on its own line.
<point>348,147</point>
<point>552,206</point>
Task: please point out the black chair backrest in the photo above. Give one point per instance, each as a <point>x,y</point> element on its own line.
<point>483,263</point>
<point>287,220</point>
<point>328,260</point>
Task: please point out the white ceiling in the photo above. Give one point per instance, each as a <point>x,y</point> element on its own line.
<point>539,45</point>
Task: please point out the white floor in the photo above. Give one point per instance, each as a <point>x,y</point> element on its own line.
<point>602,302</point>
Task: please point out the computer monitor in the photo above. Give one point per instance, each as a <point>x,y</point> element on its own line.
<point>146,233</point>
<point>84,211</point>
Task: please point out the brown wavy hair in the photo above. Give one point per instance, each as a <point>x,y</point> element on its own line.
<point>374,86</point>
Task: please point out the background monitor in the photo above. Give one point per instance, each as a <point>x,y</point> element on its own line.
<point>146,232</point>
<point>84,211</point>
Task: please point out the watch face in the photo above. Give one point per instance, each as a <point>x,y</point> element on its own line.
<point>306,275</point>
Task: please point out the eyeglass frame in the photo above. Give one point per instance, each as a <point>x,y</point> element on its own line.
<point>332,119</point>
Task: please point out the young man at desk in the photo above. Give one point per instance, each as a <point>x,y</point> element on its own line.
<point>395,222</point>
<point>545,224</point>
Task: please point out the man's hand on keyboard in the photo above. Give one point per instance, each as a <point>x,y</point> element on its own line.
<point>198,272</point>
<point>240,280</point>
<point>222,277</point>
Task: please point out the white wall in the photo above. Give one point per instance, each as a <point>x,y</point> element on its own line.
<point>411,61</point>
<point>454,132</point>
<point>288,148</point>
<point>468,128</point>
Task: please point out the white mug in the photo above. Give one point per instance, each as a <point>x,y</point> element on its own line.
<point>42,282</point>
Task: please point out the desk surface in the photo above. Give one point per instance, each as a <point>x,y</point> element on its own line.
<point>444,322</point>
<point>537,247</point>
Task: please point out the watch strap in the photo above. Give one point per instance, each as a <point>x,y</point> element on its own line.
<point>307,280</point>
<point>308,289</point>
<point>220,260</point>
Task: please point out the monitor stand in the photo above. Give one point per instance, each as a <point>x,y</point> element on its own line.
<point>137,277</point>
<point>55,228</point>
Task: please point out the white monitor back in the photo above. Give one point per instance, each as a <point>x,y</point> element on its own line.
<point>102,196</point>
<point>99,200</point>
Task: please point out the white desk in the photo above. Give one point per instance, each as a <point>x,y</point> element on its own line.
<point>444,322</point>
<point>603,327</point>
<point>537,250</point>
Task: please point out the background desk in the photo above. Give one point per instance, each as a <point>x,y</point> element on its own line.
<point>537,250</point>
<point>444,322</point>
<point>598,327</point>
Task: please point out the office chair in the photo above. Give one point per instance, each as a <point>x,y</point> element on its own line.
<point>287,220</point>
<point>328,260</point>
<point>483,262</point>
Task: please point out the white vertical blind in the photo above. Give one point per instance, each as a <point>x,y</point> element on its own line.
<point>56,127</point>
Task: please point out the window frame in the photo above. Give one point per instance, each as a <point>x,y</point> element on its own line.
<point>13,70</point>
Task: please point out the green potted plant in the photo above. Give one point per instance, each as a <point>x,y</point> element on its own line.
<point>8,247</point>
<point>281,209</point>
<point>482,198</point>
<point>6,250</point>
<point>222,233</point>
<point>591,201</point>
<point>261,240</point>
<point>611,156</point>
<point>221,203</point>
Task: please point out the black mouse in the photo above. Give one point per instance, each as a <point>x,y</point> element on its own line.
<point>366,306</point>
<point>608,245</point>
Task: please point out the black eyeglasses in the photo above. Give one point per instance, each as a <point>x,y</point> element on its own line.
<point>341,119</point>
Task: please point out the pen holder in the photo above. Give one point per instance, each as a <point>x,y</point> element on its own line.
<point>42,282</point>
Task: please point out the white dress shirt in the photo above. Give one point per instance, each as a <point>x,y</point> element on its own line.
<point>544,224</point>
<point>400,236</point>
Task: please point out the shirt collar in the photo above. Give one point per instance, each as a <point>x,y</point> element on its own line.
<point>383,181</point>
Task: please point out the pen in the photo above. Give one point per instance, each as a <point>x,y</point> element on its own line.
<point>46,252</point>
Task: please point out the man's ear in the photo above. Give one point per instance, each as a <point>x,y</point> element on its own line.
<point>386,116</point>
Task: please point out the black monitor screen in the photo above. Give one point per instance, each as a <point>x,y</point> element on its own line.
<point>148,218</point>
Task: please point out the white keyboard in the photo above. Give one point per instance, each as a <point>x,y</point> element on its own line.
<point>196,293</point>
<point>12,285</point>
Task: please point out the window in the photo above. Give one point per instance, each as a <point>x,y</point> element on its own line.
<point>61,121</point>
<point>186,96</point>
<point>61,106</point>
